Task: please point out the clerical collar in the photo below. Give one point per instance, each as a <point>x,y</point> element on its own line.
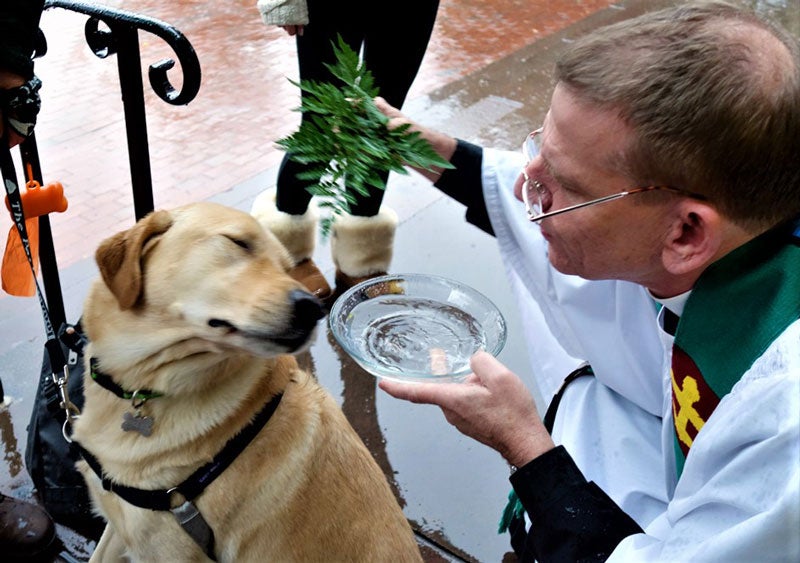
<point>674,304</point>
<point>671,311</point>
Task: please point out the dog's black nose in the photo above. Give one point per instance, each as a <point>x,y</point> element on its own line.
<point>307,310</point>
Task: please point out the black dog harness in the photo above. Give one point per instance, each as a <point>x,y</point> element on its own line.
<point>187,514</point>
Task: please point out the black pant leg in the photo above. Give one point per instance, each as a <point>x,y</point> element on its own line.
<point>314,50</point>
<point>393,51</point>
<point>394,47</point>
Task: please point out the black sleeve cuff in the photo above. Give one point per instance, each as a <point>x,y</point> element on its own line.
<point>544,480</point>
<point>463,183</point>
<point>572,518</point>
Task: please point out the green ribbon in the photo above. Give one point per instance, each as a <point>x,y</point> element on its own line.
<point>513,509</point>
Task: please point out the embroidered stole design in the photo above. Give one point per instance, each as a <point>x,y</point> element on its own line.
<point>738,307</point>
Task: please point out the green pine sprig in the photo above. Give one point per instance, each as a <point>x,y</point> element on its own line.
<point>344,140</point>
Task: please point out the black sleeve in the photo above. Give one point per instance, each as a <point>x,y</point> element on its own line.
<point>572,519</point>
<point>463,183</point>
<point>19,25</point>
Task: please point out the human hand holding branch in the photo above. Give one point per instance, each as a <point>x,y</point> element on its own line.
<point>444,145</point>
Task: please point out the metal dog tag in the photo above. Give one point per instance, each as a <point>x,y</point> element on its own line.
<point>137,423</point>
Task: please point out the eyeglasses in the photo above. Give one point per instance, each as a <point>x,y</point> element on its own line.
<point>533,191</point>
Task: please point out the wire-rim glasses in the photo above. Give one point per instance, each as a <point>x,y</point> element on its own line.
<point>533,191</point>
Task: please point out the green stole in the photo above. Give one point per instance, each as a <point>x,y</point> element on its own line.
<point>755,288</point>
<point>737,308</point>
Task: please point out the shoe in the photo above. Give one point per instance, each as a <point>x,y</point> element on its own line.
<point>345,282</point>
<point>26,530</point>
<point>362,247</point>
<point>307,273</point>
<point>298,234</point>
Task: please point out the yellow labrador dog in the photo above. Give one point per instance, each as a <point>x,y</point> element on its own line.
<point>202,438</point>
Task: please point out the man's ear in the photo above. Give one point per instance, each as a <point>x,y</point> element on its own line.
<point>695,238</point>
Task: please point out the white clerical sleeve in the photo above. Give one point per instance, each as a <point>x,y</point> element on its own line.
<point>610,324</point>
<point>610,424</point>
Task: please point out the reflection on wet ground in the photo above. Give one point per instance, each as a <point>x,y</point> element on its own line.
<point>486,79</point>
<point>12,456</point>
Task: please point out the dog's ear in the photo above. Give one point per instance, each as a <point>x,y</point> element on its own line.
<point>119,257</point>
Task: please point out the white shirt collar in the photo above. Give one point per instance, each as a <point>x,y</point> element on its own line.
<point>674,304</point>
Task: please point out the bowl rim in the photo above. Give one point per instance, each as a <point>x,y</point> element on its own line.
<point>335,312</point>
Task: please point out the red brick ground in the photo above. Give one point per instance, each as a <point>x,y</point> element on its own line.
<point>226,135</point>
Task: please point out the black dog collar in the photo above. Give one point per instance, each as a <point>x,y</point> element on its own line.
<point>105,381</point>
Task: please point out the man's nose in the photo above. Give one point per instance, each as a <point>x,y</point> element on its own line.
<point>537,174</point>
<point>519,185</point>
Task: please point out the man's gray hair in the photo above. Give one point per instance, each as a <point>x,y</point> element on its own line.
<point>712,92</point>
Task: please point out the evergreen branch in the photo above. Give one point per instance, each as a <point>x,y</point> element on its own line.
<point>344,140</point>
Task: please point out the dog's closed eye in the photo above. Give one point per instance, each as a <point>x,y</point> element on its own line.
<point>216,323</point>
<point>240,242</point>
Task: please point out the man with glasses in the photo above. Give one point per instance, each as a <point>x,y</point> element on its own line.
<point>664,191</point>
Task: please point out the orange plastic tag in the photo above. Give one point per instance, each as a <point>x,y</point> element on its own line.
<point>37,200</point>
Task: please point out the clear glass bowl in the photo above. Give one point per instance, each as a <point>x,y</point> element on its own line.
<point>416,327</point>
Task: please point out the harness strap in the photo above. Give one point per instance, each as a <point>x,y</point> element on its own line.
<point>197,481</point>
<point>193,523</point>
<point>187,514</point>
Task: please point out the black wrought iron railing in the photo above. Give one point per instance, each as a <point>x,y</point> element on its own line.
<point>110,31</point>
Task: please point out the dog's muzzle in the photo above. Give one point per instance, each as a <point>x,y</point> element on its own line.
<point>307,310</point>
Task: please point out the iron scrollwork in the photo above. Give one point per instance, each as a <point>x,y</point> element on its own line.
<point>122,25</point>
<point>120,36</point>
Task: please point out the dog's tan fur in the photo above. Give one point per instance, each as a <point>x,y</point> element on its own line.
<point>306,488</point>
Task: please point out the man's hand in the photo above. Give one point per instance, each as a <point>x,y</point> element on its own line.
<point>492,406</point>
<point>293,29</point>
<point>444,145</point>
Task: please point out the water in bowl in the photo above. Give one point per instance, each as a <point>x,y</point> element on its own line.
<point>407,335</point>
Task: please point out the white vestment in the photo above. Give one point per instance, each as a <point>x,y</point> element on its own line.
<point>738,497</point>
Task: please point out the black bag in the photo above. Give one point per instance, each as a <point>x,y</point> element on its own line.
<point>49,457</point>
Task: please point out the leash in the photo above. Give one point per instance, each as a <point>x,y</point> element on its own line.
<point>187,514</point>
<point>58,364</point>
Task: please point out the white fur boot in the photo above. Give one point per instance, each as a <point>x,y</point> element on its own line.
<point>298,234</point>
<point>362,247</point>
